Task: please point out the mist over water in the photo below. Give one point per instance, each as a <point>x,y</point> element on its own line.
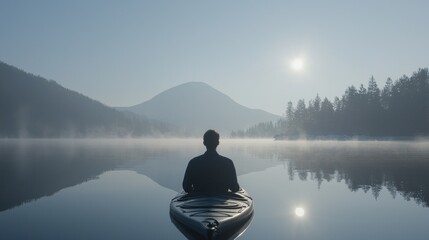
<point>98,188</point>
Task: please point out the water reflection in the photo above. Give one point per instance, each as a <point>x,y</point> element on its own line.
<point>399,167</point>
<point>116,205</point>
<point>335,184</point>
<point>32,169</point>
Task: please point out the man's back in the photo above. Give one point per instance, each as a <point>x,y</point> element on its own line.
<point>211,173</point>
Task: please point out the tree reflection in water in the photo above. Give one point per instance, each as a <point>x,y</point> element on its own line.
<point>31,169</point>
<point>400,167</point>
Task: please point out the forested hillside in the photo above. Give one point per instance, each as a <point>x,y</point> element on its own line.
<point>399,109</point>
<point>31,106</point>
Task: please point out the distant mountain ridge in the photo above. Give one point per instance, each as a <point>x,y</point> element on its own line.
<point>195,107</point>
<point>31,106</point>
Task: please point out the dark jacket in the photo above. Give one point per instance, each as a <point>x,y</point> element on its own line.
<point>210,173</point>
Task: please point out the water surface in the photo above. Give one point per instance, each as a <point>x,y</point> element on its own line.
<point>121,189</point>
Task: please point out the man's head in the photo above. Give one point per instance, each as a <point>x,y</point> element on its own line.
<point>211,139</point>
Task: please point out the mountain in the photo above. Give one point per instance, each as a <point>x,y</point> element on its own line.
<point>195,107</point>
<point>31,106</point>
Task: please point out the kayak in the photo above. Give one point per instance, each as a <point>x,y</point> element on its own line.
<point>212,216</point>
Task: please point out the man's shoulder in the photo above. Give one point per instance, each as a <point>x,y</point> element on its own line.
<point>204,157</point>
<point>197,158</point>
<point>225,159</point>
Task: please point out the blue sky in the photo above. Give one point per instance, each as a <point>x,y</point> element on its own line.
<point>125,52</point>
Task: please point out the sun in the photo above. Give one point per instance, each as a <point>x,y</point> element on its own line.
<point>297,64</point>
<point>299,212</point>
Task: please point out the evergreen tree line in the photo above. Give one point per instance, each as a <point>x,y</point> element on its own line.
<point>399,109</point>
<point>264,129</point>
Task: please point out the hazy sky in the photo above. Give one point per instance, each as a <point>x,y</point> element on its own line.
<point>125,52</point>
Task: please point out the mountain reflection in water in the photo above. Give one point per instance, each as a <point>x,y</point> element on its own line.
<point>31,169</point>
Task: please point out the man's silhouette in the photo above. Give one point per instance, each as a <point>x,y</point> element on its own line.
<point>210,172</point>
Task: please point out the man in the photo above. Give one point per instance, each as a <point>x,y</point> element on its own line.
<point>210,172</point>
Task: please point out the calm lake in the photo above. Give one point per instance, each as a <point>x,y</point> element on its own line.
<point>121,189</point>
